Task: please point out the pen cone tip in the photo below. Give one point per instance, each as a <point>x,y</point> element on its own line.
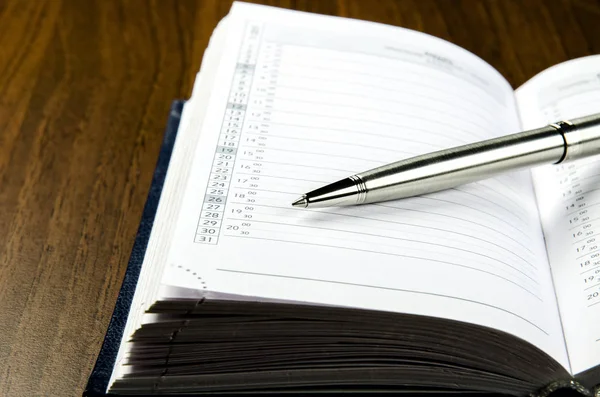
<point>302,202</point>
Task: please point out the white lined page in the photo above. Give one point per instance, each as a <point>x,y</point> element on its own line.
<point>569,200</point>
<point>306,100</point>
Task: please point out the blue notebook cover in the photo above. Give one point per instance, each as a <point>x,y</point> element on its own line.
<point>98,380</point>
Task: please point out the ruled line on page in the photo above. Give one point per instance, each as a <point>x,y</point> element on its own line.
<point>588,253</point>
<point>376,162</point>
<point>345,171</point>
<point>587,206</point>
<point>403,140</point>
<point>400,239</point>
<point>458,189</point>
<point>585,178</point>
<point>366,61</point>
<point>464,205</point>
<point>582,192</point>
<point>584,223</point>
<point>386,288</point>
<point>422,212</point>
<point>420,76</point>
<point>397,137</point>
<point>346,143</point>
<point>508,212</point>
<point>428,228</point>
<point>590,269</point>
<point>518,242</point>
<point>405,256</point>
<point>430,98</point>
<point>579,241</point>
<point>288,224</point>
<point>451,126</point>
<point>406,223</point>
<point>481,128</point>
<point>320,211</point>
<point>512,200</point>
<point>316,153</point>
<point>478,209</point>
<point>592,286</point>
<point>409,244</point>
<point>398,206</point>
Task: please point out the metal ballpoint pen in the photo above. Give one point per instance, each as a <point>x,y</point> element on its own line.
<point>556,143</point>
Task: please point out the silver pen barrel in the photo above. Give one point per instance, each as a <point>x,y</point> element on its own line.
<point>559,142</point>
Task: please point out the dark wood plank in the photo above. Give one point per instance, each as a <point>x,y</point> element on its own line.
<point>85,88</point>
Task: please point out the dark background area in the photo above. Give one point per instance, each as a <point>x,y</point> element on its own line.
<point>85,90</point>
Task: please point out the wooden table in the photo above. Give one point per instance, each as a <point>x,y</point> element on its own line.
<point>85,88</point>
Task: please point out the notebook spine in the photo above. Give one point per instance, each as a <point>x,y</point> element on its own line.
<point>98,381</point>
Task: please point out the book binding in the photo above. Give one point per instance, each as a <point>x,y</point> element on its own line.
<point>100,376</point>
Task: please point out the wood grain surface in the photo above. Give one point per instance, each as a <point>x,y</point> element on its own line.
<point>85,89</point>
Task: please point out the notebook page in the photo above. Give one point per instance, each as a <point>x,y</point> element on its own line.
<point>303,100</point>
<point>569,203</point>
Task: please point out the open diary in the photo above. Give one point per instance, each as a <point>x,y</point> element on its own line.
<point>490,287</point>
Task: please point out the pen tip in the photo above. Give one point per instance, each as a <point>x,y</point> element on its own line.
<point>301,202</point>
